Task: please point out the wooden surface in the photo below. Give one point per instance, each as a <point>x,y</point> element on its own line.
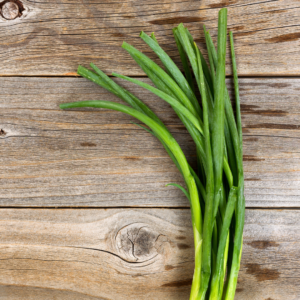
<point>53,37</point>
<point>135,254</point>
<point>98,158</point>
<point>118,232</point>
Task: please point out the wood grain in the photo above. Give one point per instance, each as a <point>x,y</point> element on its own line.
<point>98,158</point>
<point>53,37</point>
<point>135,254</point>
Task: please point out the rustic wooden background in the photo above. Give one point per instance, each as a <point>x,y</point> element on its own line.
<point>85,213</point>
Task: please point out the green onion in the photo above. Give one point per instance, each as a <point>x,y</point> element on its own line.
<point>208,216</point>
<point>184,60</point>
<point>216,190</point>
<point>240,208</point>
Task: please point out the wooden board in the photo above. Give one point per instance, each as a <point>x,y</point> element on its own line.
<point>127,240</point>
<point>94,158</point>
<point>135,254</point>
<point>53,37</point>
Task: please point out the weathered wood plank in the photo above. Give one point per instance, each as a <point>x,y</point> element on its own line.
<point>135,254</point>
<point>53,37</point>
<point>98,158</point>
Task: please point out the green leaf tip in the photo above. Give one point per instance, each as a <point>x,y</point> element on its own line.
<point>181,188</point>
<point>124,44</point>
<point>62,106</point>
<point>79,69</point>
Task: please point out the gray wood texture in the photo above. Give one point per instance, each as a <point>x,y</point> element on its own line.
<point>53,37</point>
<point>97,158</point>
<point>135,254</point>
<point>119,233</point>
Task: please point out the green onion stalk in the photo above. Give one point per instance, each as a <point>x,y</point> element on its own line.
<point>215,189</point>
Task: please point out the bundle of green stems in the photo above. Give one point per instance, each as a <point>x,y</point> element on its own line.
<point>216,189</point>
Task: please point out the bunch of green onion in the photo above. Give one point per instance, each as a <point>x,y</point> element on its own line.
<point>216,189</point>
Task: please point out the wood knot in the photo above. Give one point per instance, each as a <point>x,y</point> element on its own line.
<point>138,242</point>
<point>11,9</point>
<point>2,132</point>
